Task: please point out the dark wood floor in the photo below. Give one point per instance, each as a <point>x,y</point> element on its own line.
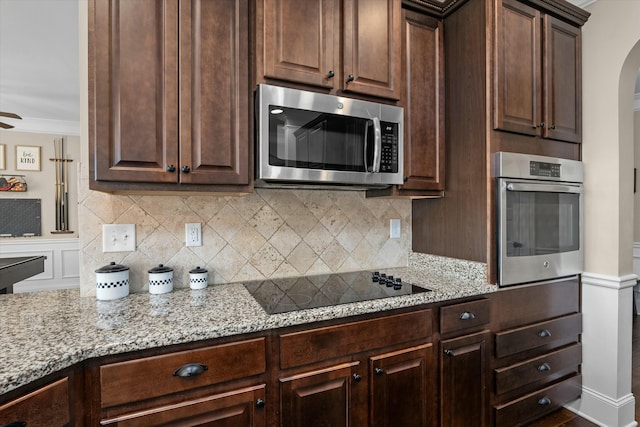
<point>565,418</point>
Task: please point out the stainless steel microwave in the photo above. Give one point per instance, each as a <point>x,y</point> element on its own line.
<point>540,221</point>
<point>309,139</point>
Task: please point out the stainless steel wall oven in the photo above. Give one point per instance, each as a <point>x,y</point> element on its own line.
<point>540,208</point>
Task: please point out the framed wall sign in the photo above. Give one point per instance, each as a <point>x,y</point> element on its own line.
<point>3,164</point>
<point>27,158</point>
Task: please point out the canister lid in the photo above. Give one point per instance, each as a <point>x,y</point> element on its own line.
<point>198,270</point>
<point>161,269</point>
<point>112,268</point>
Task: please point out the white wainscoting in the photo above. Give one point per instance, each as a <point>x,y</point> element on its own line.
<point>61,268</point>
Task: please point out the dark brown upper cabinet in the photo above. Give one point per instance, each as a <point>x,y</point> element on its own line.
<point>169,95</point>
<point>423,101</point>
<point>537,73</point>
<point>350,46</point>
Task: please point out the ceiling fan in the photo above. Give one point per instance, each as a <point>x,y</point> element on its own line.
<point>11,116</point>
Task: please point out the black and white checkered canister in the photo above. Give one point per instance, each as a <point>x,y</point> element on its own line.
<point>160,279</point>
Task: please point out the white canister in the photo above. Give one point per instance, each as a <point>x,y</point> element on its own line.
<point>112,281</point>
<point>160,279</point>
<point>198,278</point>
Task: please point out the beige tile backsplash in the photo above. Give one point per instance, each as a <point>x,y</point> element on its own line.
<point>270,233</point>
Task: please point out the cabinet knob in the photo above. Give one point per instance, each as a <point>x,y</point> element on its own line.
<point>171,168</point>
<point>541,125</point>
<point>259,403</point>
<point>15,424</point>
<point>379,371</point>
<point>190,370</point>
<point>467,315</point>
<point>544,401</point>
<point>350,78</point>
<point>186,169</point>
<point>552,127</point>
<point>544,367</point>
<point>357,378</point>
<point>330,74</point>
<point>544,333</point>
<point>448,352</point>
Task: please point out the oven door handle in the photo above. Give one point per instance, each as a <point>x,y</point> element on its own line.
<point>544,188</point>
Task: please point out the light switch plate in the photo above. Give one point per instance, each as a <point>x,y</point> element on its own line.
<point>118,237</point>
<point>193,234</point>
<point>394,228</point>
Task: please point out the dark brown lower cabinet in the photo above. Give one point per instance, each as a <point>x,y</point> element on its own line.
<point>400,392</point>
<point>320,397</point>
<point>236,408</point>
<point>464,363</point>
<point>47,405</point>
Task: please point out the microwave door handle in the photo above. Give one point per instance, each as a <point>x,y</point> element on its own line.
<point>549,188</point>
<point>366,144</point>
<point>377,145</point>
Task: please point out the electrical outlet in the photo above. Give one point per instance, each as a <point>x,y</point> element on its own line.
<point>193,234</point>
<point>394,228</point>
<point>118,237</point>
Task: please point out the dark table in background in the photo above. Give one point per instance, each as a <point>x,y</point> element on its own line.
<point>13,270</point>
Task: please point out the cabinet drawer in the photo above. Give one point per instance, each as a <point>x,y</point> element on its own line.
<point>563,330</point>
<point>150,377</point>
<point>46,406</point>
<point>547,368</point>
<point>531,406</point>
<point>466,316</point>
<point>516,306</point>
<point>300,348</point>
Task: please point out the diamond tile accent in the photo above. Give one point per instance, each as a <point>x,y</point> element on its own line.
<point>268,234</point>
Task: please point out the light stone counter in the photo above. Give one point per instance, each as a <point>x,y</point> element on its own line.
<point>48,331</point>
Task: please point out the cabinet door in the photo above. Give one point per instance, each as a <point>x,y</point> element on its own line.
<point>237,408</point>
<point>133,112</point>
<point>372,47</point>
<point>214,92</point>
<point>299,40</point>
<point>463,368</point>
<point>423,100</point>
<point>46,406</point>
<point>562,80</point>
<point>518,79</point>
<point>319,398</point>
<point>402,387</point>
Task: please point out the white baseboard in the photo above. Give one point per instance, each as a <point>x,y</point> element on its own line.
<point>61,268</point>
<point>610,413</point>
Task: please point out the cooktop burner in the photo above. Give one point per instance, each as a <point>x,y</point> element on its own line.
<point>298,293</point>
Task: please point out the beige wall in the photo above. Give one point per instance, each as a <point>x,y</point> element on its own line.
<point>271,233</point>
<point>41,184</point>
<point>608,83</point>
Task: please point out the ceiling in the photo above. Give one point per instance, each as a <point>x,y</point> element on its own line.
<point>39,64</point>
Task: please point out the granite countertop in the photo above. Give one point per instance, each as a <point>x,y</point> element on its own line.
<point>45,332</point>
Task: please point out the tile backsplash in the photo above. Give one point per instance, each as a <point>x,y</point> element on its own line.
<point>270,233</point>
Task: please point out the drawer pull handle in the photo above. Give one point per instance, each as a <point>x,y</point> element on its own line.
<point>260,403</point>
<point>467,315</point>
<point>544,367</point>
<point>15,424</point>
<point>544,401</point>
<point>190,370</point>
<point>379,371</point>
<point>544,333</point>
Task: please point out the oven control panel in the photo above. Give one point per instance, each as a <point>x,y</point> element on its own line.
<point>544,169</point>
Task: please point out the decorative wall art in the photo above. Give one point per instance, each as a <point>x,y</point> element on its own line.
<point>3,164</point>
<point>27,158</point>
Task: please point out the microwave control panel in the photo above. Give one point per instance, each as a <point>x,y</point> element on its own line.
<point>389,157</point>
<point>551,170</point>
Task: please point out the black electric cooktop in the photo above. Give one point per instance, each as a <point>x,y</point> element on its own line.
<point>299,293</point>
